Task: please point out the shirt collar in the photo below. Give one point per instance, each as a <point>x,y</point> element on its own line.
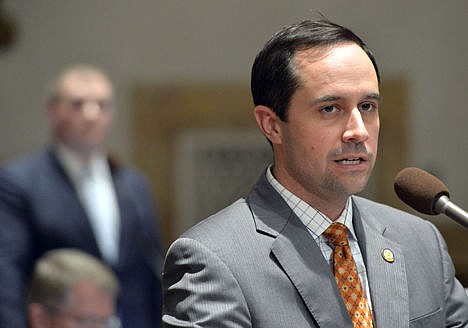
<point>74,166</point>
<point>315,221</point>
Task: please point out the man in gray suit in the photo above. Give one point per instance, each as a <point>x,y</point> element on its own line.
<point>264,260</point>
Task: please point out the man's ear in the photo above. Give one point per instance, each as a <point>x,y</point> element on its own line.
<point>38,316</point>
<point>269,123</point>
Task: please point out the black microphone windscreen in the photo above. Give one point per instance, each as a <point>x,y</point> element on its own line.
<point>419,189</point>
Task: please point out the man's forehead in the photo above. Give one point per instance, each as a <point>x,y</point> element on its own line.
<point>333,62</point>
<point>311,55</point>
<point>317,53</point>
<point>79,82</point>
<point>84,77</point>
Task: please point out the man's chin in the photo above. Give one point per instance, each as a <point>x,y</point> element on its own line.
<point>87,148</point>
<point>357,186</point>
<point>349,187</point>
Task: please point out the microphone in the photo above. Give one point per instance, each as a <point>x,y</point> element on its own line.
<point>427,194</point>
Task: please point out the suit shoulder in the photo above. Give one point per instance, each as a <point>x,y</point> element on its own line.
<point>226,222</point>
<point>385,211</point>
<point>132,173</point>
<point>399,221</point>
<point>27,166</point>
<point>134,179</point>
<point>226,234</point>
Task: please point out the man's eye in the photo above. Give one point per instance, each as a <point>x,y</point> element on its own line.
<point>104,104</point>
<point>329,109</point>
<point>76,103</point>
<point>367,107</point>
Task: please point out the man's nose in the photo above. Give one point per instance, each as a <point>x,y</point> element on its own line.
<point>90,110</point>
<point>355,130</point>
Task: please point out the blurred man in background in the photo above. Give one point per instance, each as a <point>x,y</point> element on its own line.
<point>70,288</point>
<point>73,194</point>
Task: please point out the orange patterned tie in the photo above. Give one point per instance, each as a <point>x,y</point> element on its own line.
<point>347,278</point>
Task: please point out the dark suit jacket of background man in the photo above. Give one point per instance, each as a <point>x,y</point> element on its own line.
<point>40,210</point>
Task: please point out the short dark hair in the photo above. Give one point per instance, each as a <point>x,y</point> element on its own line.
<point>273,79</point>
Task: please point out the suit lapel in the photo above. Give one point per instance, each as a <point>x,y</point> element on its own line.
<point>303,262</point>
<point>383,276</point>
<point>133,230</point>
<point>299,256</point>
<point>127,214</point>
<point>75,216</point>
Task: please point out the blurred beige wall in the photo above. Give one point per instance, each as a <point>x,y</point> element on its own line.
<point>215,41</point>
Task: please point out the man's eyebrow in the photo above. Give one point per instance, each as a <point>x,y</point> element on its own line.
<point>374,96</point>
<point>328,98</point>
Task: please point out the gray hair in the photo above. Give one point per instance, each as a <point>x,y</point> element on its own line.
<point>59,270</point>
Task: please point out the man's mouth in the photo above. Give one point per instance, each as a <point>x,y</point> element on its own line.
<point>351,160</point>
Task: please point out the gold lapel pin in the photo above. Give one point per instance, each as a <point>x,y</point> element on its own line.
<point>387,255</point>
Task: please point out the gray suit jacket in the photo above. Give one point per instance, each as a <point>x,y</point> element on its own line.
<point>254,264</point>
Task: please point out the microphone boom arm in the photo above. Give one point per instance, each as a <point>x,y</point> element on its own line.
<point>445,206</point>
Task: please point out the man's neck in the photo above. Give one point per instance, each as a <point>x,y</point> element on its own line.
<point>330,205</point>
<point>84,156</point>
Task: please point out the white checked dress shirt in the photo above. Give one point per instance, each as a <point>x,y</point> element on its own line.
<point>317,222</point>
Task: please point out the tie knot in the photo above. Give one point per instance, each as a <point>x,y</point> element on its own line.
<point>337,234</point>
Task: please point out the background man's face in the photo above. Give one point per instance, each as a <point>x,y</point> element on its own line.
<point>82,116</point>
